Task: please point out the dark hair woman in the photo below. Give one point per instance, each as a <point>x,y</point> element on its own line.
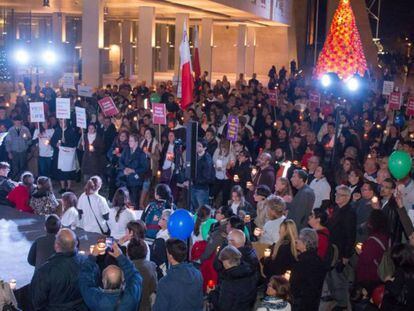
<point>120,214</point>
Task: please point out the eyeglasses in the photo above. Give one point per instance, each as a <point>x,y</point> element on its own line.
<point>341,194</point>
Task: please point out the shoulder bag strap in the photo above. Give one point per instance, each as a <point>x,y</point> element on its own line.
<point>99,225</point>
<point>379,242</point>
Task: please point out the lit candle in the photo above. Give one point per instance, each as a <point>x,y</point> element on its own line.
<point>217,249</point>
<point>59,142</point>
<point>91,148</point>
<point>13,284</point>
<point>275,124</point>
<point>158,174</point>
<point>365,136</point>
<point>374,200</point>
<point>287,275</point>
<point>24,135</point>
<point>203,105</point>
<point>135,118</point>
<point>101,248</point>
<point>117,150</point>
<point>267,252</point>
<point>385,132</point>
<point>211,284</point>
<point>81,252</point>
<point>7,104</point>
<point>236,178</point>
<point>91,247</point>
<point>411,135</point>
<point>259,105</point>
<point>129,106</point>
<point>378,126</point>
<point>47,142</point>
<point>359,246</point>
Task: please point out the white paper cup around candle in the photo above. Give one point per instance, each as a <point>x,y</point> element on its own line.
<point>91,249</point>
<point>47,142</point>
<point>91,148</point>
<point>81,252</point>
<point>374,200</point>
<point>13,284</point>
<point>359,246</point>
<point>267,252</point>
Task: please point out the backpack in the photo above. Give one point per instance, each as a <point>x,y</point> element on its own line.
<point>332,254</point>
<point>386,266</point>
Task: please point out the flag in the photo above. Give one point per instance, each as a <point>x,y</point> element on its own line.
<point>187,83</point>
<point>196,59</point>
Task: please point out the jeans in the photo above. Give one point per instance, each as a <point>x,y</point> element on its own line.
<point>45,166</point>
<point>199,197</point>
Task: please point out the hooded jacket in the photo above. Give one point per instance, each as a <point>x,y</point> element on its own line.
<point>180,290</point>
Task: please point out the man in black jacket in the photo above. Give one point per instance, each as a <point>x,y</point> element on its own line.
<point>342,227</point>
<point>43,247</point>
<point>390,208</point>
<point>204,177</point>
<point>55,285</point>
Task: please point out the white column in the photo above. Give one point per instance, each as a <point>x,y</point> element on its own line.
<point>59,27</point>
<point>145,44</point>
<point>241,50</point>
<point>206,46</point>
<point>164,45</point>
<point>126,47</point>
<point>92,41</point>
<point>250,50</point>
<point>179,24</point>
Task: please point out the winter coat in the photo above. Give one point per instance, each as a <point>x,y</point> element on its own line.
<point>237,290</point>
<point>148,271</point>
<point>306,281</point>
<point>136,161</point>
<point>180,290</point>
<point>55,285</point>
<point>98,299</point>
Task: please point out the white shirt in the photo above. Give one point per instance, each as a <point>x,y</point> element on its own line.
<point>45,149</point>
<point>221,161</point>
<point>70,218</point>
<point>100,208</point>
<point>118,228</point>
<point>163,234</point>
<point>322,191</point>
<point>271,231</point>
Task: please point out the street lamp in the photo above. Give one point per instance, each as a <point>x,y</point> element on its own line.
<point>49,57</point>
<point>21,57</point>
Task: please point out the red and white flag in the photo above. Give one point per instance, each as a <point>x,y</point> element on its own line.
<point>196,57</point>
<point>187,82</point>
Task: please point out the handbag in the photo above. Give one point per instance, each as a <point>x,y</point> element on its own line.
<point>106,233</point>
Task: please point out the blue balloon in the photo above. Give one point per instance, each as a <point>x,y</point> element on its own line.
<point>399,121</point>
<point>181,224</point>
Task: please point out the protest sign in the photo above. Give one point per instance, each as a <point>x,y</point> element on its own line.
<point>273,97</point>
<point>108,106</point>
<point>37,112</point>
<point>68,80</point>
<point>159,114</point>
<point>410,107</point>
<point>63,108</point>
<point>85,91</point>
<point>80,117</point>
<point>394,101</point>
<point>232,128</point>
<point>388,87</point>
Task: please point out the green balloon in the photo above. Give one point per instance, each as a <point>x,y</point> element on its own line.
<point>399,164</point>
<point>155,98</point>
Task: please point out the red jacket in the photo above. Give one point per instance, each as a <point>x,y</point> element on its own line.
<point>19,197</point>
<point>370,258</point>
<point>323,242</point>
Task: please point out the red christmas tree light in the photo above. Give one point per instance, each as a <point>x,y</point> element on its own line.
<point>342,52</point>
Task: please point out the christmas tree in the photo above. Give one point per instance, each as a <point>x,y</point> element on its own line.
<point>342,52</point>
<point>5,75</point>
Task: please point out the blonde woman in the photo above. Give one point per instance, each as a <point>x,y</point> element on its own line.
<point>284,254</point>
<point>222,160</point>
<point>283,189</point>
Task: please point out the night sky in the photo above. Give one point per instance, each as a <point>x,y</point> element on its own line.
<point>397,19</point>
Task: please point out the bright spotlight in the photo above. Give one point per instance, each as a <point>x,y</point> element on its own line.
<point>352,84</point>
<point>49,57</point>
<point>326,80</point>
<point>22,57</point>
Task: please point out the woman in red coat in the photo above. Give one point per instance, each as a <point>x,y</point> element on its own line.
<point>370,254</point>
<point>20,195</point>
<point>317,220</point>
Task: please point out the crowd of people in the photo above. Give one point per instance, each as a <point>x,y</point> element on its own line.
<point>299,212</point>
